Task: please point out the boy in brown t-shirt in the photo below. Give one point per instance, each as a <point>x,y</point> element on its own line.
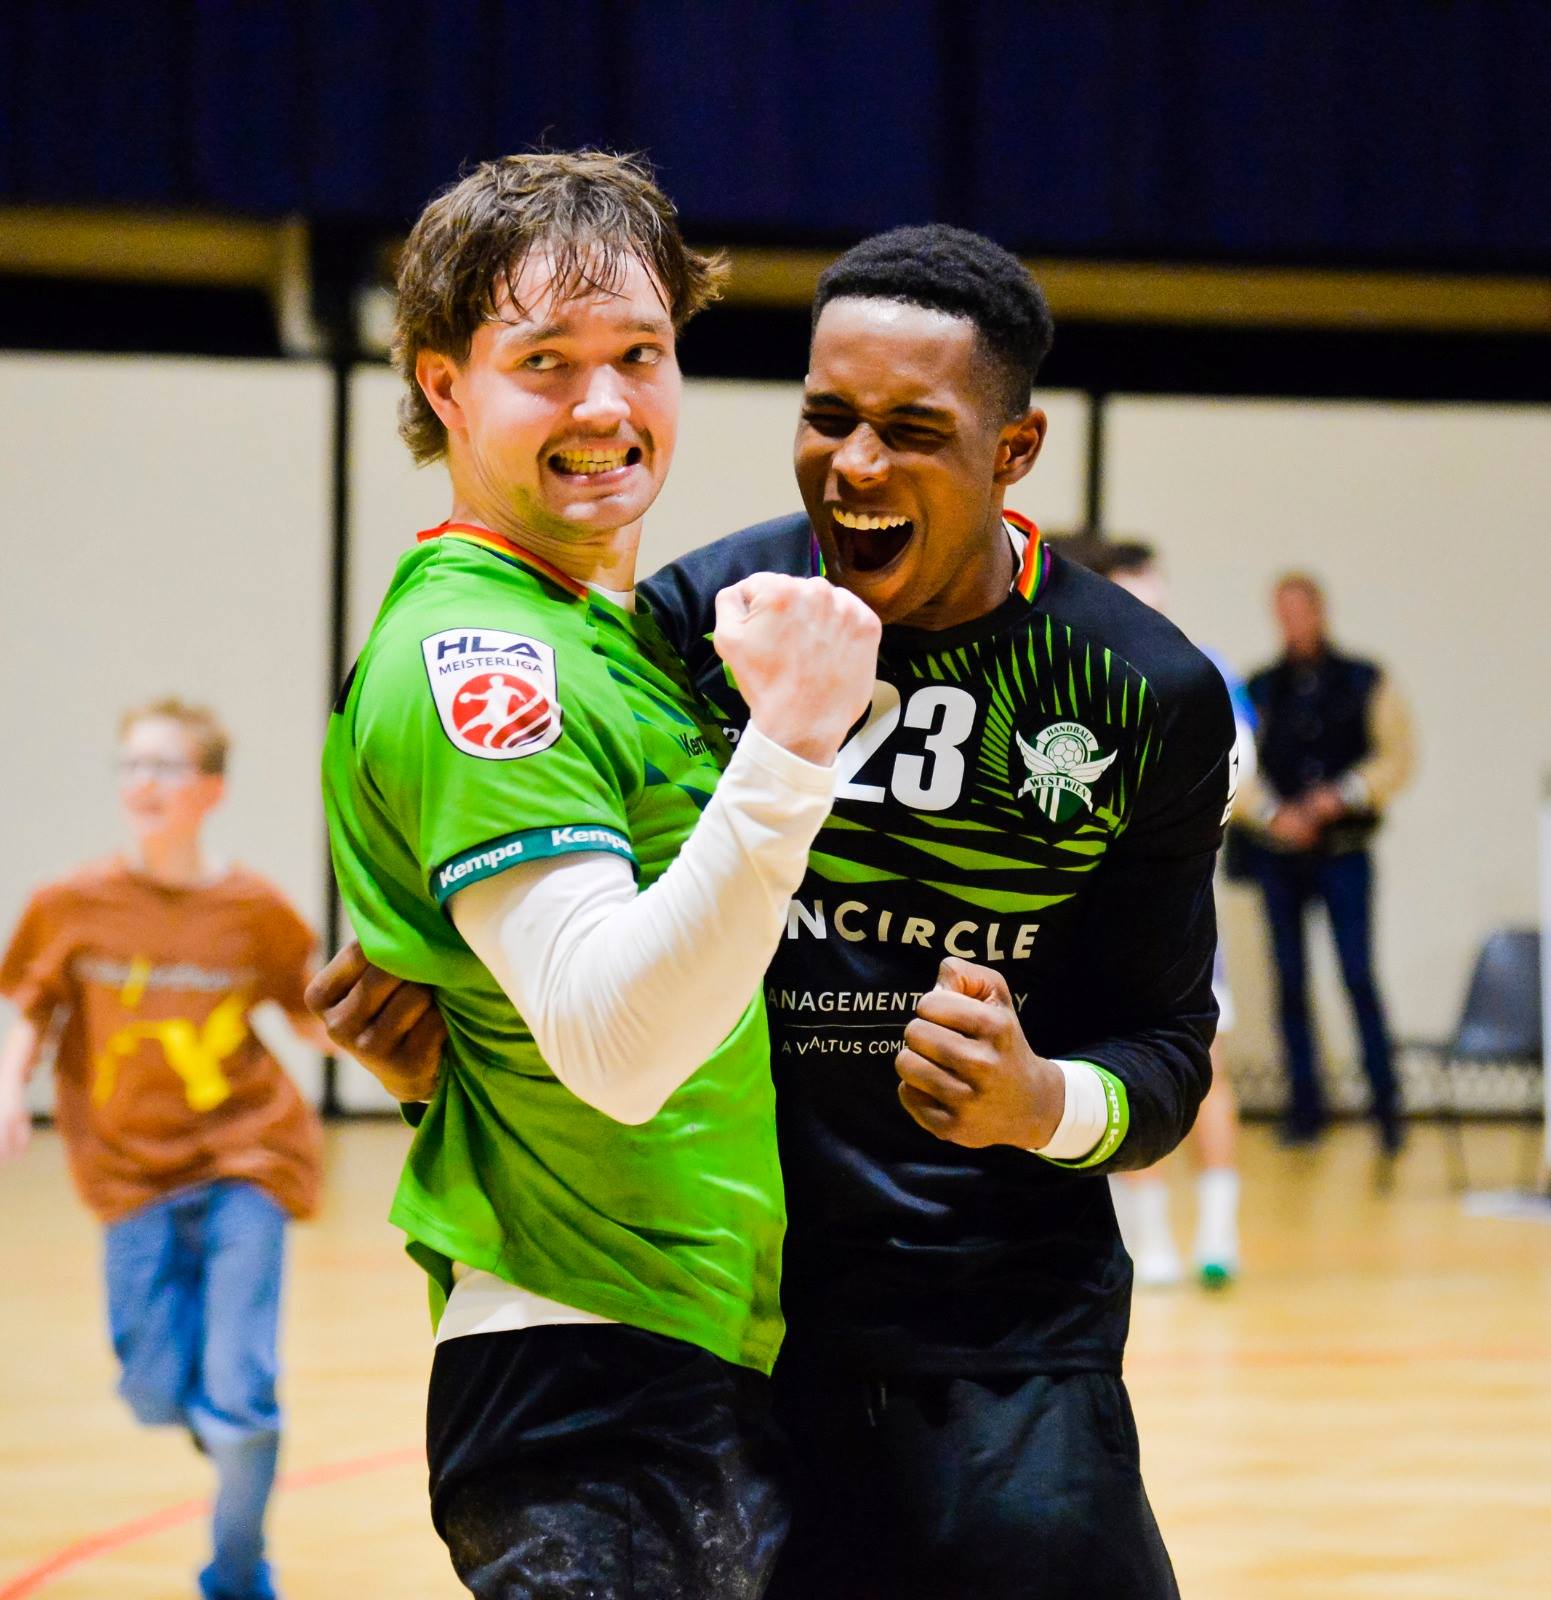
<point>183,1133</point>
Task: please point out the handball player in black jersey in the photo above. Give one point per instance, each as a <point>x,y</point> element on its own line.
<point>996,983</point>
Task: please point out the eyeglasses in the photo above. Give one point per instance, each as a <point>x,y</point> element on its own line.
<point>133,768</point>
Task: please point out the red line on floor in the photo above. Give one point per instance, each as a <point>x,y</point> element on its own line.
<point>97,1544</point>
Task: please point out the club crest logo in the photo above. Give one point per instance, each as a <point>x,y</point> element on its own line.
<point>495,692</point>
<point>1062,766</point>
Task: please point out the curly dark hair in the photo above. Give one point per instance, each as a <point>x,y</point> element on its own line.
<point>591,209</point>
<point>963,274</point>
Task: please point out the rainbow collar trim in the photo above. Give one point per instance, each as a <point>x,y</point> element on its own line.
<point>488,539</point>
<point>1036,557</point>
<point>815,555</point>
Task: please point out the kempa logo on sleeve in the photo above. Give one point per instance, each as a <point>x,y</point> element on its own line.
<point>574,838</point>
<point>479,865</point>
<point>495,692</point>
<point>537,844</point>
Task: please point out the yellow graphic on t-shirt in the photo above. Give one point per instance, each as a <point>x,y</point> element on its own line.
<point>134,983</point>
<point>194,1054</point>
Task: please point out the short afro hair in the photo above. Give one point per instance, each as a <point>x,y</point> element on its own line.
<point>960,273</point>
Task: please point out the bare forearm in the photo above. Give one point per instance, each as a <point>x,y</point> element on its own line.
<point>19,1054</point>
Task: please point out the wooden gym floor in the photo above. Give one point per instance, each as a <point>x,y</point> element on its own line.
<point>1366,1416</point>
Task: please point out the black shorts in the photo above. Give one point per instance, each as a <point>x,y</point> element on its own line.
<point>997,1488</point>
<point>602,1462</point>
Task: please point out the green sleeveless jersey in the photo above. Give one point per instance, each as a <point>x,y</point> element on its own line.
<point>501,713</point>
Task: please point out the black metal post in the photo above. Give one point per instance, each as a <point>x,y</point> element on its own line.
<point>341,365</point>
<point>1098,404</point>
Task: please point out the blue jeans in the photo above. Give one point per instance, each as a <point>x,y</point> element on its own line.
<point>1345,884</point>
<point>193,1306</point>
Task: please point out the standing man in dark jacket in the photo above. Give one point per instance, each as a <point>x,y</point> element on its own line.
<point>1335,749</point>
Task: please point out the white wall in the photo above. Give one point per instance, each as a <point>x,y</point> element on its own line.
<point>391,499</point>
<point>1429,527</point>
<point>166,532</point>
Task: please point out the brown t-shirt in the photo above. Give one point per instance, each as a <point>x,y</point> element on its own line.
<point>161,1082</point>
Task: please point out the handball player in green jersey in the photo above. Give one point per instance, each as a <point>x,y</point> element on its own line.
<point>994,986</point>
<point>534,813</point>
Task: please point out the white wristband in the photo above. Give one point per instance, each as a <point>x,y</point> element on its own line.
<point>1084,1118</point>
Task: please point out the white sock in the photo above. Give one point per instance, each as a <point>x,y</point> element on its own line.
<point>1152,1213</point>
<point>1217,1218</point>
<point>1144,1208</point>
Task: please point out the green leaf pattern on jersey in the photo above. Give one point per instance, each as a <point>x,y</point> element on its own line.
<point>994,849</point>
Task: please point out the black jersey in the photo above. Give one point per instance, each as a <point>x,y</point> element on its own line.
<point>1042,791</point>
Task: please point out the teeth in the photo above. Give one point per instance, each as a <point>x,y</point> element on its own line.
<point>591,460</point>
<point>866,524</point>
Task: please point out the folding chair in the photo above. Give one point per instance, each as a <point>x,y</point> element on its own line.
<point>1500,1025</point>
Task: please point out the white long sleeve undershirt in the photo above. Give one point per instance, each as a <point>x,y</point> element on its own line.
<point>627,994</point>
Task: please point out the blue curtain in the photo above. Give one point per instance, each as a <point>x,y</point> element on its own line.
<point>1411,132</point>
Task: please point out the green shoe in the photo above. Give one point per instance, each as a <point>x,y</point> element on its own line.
<point>1214,1275</point>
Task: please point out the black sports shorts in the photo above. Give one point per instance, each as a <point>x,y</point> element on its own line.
<point>603,1462</point>
<point>993,1488</point>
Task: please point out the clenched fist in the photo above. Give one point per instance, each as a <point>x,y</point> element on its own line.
<point>804,655</point>
<point>391,1026</point>
<point>966,1072</point>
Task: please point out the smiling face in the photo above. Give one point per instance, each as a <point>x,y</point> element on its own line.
<point>164,795</point>
<point>903,456</point>
<point>562,419</point>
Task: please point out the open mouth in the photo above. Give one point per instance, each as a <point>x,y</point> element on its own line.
<point>595,461</point>
<point>869,541</point>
